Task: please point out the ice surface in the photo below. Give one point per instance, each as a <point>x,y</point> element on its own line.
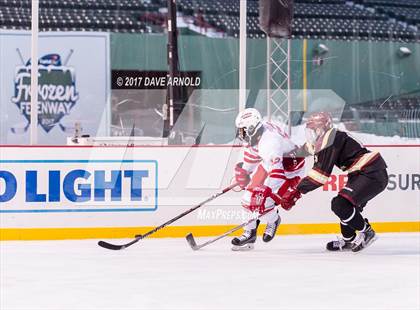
<point>291,272</point>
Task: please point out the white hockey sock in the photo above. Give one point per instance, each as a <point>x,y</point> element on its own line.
<point>251,225</point>
<point>271,216</point>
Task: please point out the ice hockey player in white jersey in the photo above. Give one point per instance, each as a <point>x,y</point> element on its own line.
<point>266,173</point>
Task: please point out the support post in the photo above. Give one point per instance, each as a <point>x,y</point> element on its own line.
<point>242,54</point>
<point>34,73</point>
<point>268,64</point>
<point>289,91</point>
<point>168,110</point>
<point>278,79</point>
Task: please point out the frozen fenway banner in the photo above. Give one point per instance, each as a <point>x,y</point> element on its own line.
<point>74,83</point>
<point>98,192</point>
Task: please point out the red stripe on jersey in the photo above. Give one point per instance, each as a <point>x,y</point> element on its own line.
<point>277,176</point>
<point>277,171</point>
<point>251,155</point>
<point>251,161</point>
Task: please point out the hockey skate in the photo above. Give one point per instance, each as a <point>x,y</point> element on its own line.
<point>364,239</point>
<point>271,229</point>
<point>246,241</point>
<point>339,245</point>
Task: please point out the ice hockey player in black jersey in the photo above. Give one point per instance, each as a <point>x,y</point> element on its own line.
<point>367,177</point>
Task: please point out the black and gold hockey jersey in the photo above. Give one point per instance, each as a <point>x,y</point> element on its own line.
<point>337,148</point>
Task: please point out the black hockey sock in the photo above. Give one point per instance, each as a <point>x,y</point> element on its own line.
<point>348,233</point>
<point>357,222</point>
<point>347,213</point>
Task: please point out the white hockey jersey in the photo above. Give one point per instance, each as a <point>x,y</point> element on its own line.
<point>268,160</point>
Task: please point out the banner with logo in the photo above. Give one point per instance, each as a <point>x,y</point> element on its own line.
<point>68,186</point>
<point>74,85</point>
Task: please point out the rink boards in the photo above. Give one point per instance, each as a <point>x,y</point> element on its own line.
<point>116,192</point>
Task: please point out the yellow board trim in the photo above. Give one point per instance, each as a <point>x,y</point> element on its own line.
<point>8,234</point>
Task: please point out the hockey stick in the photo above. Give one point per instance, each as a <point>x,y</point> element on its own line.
<point>195,246</point>
<point>116,247</point>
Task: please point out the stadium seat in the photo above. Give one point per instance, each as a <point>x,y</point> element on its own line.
<point>337,19</point>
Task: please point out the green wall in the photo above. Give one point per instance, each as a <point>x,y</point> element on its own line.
<point>357,71</point>
<point>360,71</point>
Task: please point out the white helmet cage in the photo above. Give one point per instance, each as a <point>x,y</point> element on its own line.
<point>248,122</point>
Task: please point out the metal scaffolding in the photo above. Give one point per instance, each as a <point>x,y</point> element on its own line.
<point>278,80</point>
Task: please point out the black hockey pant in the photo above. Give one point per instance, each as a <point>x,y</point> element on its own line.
<point>353,197</point>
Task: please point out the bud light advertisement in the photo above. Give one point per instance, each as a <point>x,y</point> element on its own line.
<point>57,185</point>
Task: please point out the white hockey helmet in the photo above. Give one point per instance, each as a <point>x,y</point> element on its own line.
<point>248,122</point>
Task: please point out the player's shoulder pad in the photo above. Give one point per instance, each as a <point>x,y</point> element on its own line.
<point>328,139</point>
<point>270,146</point>
<point>338,136</point>
<point>340,133</point>
<point>343,135</point>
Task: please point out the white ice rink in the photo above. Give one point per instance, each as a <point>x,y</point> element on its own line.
<point>291,272</point>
